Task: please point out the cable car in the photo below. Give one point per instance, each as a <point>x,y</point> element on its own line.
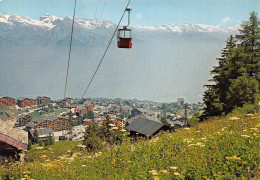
<point>124,35</point>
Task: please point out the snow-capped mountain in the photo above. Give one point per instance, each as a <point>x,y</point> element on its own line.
<point>166,61</point>
<point>50,28</point>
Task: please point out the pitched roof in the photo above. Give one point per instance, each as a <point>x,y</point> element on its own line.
<point>129,121</point>
<point>6,129</point>
<point>43,132</point>
<point>51,118</point>
<point>145,111</point>
<point>145,126</point>
<point>30,125</point>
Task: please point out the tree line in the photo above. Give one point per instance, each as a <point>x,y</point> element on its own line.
<point>235,81</point>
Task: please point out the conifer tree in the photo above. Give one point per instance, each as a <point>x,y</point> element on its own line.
<point>236,78</point>
<point>215,96</point>
<point>250,43</point>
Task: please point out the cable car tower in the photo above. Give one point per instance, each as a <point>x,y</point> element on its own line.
<point>124,35</point>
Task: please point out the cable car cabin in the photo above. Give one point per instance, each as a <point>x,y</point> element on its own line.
<point>124,39</point>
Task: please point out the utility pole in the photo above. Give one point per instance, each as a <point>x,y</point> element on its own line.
<point>186,116</point>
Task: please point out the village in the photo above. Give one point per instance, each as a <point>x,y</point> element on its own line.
<point>68,118</point>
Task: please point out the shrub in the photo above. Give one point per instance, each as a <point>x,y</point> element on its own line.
<point>93,143</point>
<point>194,119</point>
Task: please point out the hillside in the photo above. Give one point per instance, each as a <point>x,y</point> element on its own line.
<point>218,148</point>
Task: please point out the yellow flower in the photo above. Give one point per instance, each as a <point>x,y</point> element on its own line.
<point>245,136</point>
<point>164,171</point>
<point>234,118</point>
<point>173,167</point>
<point>233,158</point>
<point>254,129</point>
<point>176,174</point>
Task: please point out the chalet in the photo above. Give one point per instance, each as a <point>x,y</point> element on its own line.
<point>144,125</point>
<point>7,101</point>
<point>43,100</point>
<point>13,143</point>
<point>24,102</point>
<point>56,123</point>
<point>65,102</point>
<point>23,120</point>
<point>132,119</point>
<point>42,133</point>
<point>138,111</point>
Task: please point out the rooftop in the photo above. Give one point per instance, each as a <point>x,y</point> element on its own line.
<point>145,126</point>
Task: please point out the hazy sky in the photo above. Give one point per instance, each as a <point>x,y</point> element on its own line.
<point>145,12</point>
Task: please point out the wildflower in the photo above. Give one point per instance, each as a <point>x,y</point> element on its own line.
<point>191,145</point>
<point>187,129</point>
<point>233,158</point>
<point>234,118</point>
<point>249,114</point>
<point>123,130</point>
<point>83,165</point>
<point>203,138</point>
<point>173,167</point>
<point>176,174</point>
<point>112,125</point>
<point>254,129</point>
<point>245,136</point>
<point>153,172</point>
<point>39,147</point>
<point>164,171</point>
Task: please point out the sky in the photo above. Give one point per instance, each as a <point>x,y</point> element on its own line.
<point>144,12</point>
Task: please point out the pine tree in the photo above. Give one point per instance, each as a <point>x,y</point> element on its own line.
<point>236,78</point>
<point>243,90</point>
<point>250,42</point>
<point>215,96</point>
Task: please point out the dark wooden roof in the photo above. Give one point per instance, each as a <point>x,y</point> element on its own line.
<point>13,142</point>
<point>145,126</point>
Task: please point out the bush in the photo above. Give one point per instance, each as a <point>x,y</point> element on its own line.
<point>247,108</point>
<point>194,119</point>
<point>93,143</point>
<point>49,141</point>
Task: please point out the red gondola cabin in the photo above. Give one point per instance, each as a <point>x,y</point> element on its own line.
<point>124,39</point>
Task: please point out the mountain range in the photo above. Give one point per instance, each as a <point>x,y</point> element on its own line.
<point>166,62</point>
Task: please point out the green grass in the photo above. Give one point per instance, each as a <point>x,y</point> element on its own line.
<point>9,113</point>
<point>219,148</point>
<point>35,115</point>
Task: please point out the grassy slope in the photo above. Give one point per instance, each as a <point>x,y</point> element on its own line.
<point>9,113</point>
<point>218,148</point>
